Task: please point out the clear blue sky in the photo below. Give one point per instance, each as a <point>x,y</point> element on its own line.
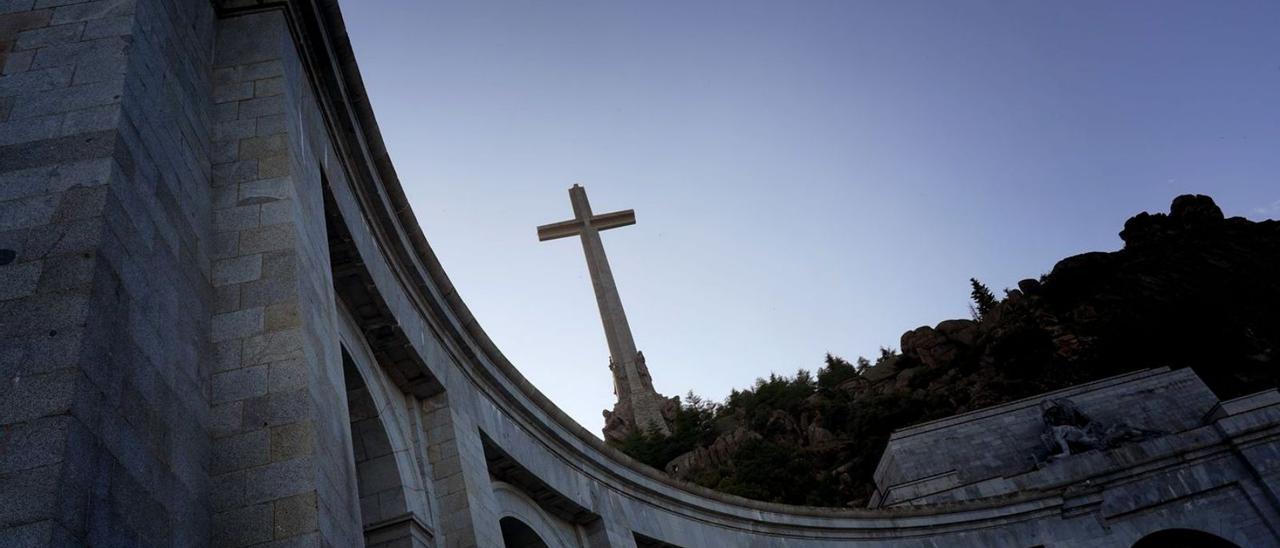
<point>808,176</point>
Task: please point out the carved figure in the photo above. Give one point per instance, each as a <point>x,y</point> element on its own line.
<point>1069,431</point>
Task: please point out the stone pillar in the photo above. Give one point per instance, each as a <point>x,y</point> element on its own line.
<point>466,504</point>
<point>609,533</point>
<point>282,467</point>
<point>104,292</point>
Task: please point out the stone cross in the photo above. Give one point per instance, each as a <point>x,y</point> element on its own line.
<point>638,403</point>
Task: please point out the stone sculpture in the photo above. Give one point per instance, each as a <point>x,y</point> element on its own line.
<point>1069,431</point>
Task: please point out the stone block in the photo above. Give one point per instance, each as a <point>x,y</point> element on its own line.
<point>13,23</point>
<point>60,34</point>
<point>279,480</point>
<point>84,173</point>
<point>287,407</point>
<point>273,347</point>
<point>295,515</point>
<point>268,290</point>
<point>19,280</point>
<point>261,106</point>
<point>281,316</point>
<point>287,375</point>
<point>236,218</point>
<point>34,444</point>
<point>268,87</point>
<point>226,112</point>
<point>91,10</point>
<point>14,63</point>
<point>378,473</point>
<point>41,4</point>
<point>237,269</point>
<point>241,323</point>
<point>39,488</point>
<point>81,202</point>
<point>225,419</point>
<point>243,526</point>
<point>91,119</point>
<point>254,39</point>
<point>276,237</point>
<point>222,152</point>
<point>30,129</point>
<point>23,183</point>
<point>107,26</point>
<point>235,172</point>
<point>260,147</point>
<point>57,151</point>
<point>239,384</point>
<point>43,395</point>
<point>291,440</point>
<point>226,355</point>
<point>224,244</point>
<point>270,125</point>
<point>41,533</point>
<point>11,6</point>
<point>264,191</point>
<point>240,451</point>
<point>259,71</point>
<point>273,166</point>
<point>273,213</point>
<point>232,91</point>
<point>226,299</point>
<point>66,99</point>
<point>27,212</point>
<point>224,196</point>
<point>226,491</point>
<point>234,130</point>
<point>28,82</point>
<point>65,272</point>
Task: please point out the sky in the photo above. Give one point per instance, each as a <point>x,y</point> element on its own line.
<point>808,176</point>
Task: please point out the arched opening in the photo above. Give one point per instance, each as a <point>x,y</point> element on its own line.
<point>1183,538</point>
<point>378,479</point>
<point>517,534</point>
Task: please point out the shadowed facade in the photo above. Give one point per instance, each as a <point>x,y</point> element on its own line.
<point>222,326</point>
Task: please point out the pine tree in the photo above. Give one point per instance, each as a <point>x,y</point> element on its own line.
<point>983,299</point>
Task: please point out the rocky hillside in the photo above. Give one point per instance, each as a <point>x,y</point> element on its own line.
<point>1189,289</point>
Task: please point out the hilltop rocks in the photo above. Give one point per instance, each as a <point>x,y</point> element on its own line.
<point>1195,209</point>
<point>936,346</point>
<point>717,455</point>
<point>1187,211</point>
<point>1190,288</point>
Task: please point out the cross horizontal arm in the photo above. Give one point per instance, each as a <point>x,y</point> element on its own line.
<point>605,221</point>
<point>573,227</point>
<point>562,229</point>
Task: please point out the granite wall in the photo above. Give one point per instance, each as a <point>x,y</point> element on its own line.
<point>104,275</point>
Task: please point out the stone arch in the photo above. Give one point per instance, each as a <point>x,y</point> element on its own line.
<point>1183,538</point>
<point>394,506</point>
<point>515,505</point>
<point>518,534</point>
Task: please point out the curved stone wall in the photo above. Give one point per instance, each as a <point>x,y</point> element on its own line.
<point>289,363</point>
<point>611,498</point>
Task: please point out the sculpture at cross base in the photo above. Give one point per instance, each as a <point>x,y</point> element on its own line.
<point>639,406</point>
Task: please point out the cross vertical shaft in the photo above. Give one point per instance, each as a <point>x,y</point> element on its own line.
<point>616,329</point>
<point>639,405</point>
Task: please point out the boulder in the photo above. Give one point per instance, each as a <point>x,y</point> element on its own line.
<point>928,346</point>
<point>880,371</point>
<point>1194,208</point>
<point>962,331</point>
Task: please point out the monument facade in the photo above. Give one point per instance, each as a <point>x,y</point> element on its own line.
<point>221,325</point>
